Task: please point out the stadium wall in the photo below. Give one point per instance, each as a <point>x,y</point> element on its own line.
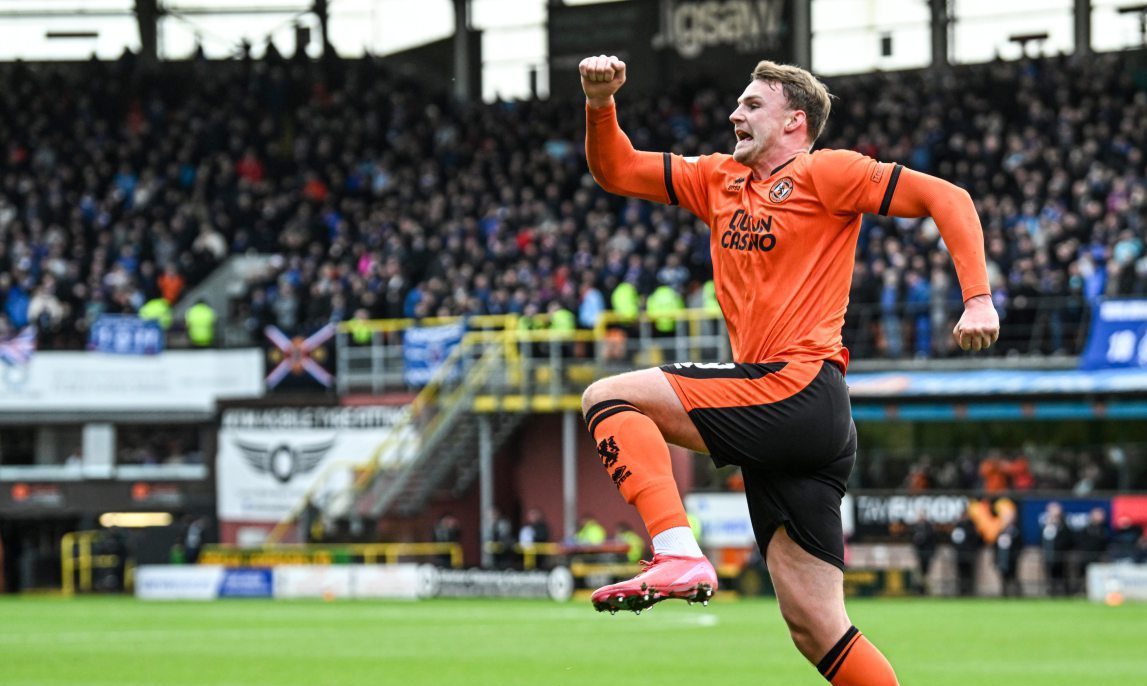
<point>528,474</point>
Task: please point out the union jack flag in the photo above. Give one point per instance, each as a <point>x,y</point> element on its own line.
<point>17,351</point>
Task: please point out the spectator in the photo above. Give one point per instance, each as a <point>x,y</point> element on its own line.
<point>500,538</point>
<point>1008,546</point>
<point>625,302</point>
<point>1019,473</point>
<point>193,538</point>
<point>1092,541</point>
<point>1125,543</point>
<point>967,543</point>
<point>157,310</point>
<point>591,306</point>
<point>170,283</point>
<point>589,532</point>
<point>993,472</point>
<point>446,530</point>
<point>664,300</point>
<point>535,529</point>
<point>919,476</point>
<point>1056,544</point>
<point>200,320</point>
<point>636,544</point>
<point>924,544</point>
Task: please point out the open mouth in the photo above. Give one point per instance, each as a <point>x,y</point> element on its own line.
<point>743,136</point>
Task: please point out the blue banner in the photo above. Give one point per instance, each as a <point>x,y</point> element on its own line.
<point>994,382</point>
<point>425,349</point>
<point>1033,514</point>
<point>122,334</point>
<point>255,582</point>
<point>1118,337</point>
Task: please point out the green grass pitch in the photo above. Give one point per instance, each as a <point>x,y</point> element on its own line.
<point>125,642</point>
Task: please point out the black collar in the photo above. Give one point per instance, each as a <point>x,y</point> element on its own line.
<point>783,165</point>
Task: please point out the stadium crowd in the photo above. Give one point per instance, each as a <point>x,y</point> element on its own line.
<point>1080,471</point>
<point>121,184</point>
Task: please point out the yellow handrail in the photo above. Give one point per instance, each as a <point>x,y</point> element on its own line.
<point>76,555</point>
<point>508,324</point>
<point>325,553</point>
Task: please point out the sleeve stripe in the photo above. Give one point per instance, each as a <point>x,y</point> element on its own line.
<point>669,179</point>
<point>890,190</point>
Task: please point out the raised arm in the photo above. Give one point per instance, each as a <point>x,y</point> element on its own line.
<point>917,195</point>
<point>613,161</point>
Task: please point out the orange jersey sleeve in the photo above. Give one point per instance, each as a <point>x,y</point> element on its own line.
<point>850,183</point>
<point>955,215</point>
<point>620,168</point>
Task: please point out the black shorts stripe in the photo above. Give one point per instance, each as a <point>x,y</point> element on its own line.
<point>606,414</point>
<point>672,194</point>
<point>891,189</point>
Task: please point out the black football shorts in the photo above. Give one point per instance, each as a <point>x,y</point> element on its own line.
<point>789,426</point>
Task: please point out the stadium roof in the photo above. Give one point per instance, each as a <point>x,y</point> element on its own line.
<point>848,35</point>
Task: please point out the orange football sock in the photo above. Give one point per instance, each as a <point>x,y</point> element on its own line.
<point>853,661</point>
<point>637,459</point>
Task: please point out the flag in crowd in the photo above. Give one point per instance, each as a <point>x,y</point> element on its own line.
<point>17,350</point>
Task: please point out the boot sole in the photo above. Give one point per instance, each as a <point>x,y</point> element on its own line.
<point>647,597</point>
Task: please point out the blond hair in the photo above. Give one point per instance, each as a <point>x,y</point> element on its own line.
<point>803,91</point>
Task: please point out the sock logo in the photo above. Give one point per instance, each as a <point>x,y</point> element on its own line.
<point>609,452</point>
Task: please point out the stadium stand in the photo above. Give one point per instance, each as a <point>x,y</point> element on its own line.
<point>382,197</point>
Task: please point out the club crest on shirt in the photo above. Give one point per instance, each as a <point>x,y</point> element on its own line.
<point>781,190</point>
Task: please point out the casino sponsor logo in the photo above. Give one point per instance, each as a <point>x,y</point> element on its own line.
<point>781,190</point>
<point>747,233</point>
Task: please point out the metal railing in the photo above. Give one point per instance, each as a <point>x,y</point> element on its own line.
<point>1040,329</point>
<point>330,554</point>
<point>79,558</point>
<point>536,358</point>
<point>1028,326</point>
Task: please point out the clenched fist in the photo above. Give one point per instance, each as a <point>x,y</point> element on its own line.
<point>601,77</point>
<point>979,327</point>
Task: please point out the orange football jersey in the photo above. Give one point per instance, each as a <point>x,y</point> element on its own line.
<point>783,246</point>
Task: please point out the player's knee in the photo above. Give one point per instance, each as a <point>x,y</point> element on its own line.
<point>811,631</point>
<point>802,632</point>
<point>598,391</point>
